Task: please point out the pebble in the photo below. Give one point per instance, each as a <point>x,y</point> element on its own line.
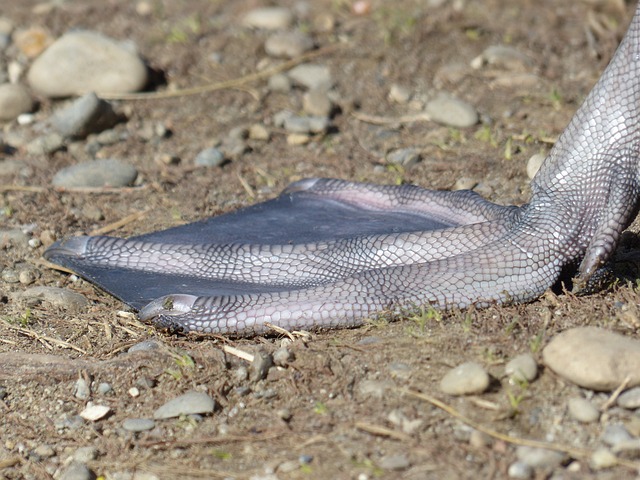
<point>502,56</point>
<point>94,413</point>
<point>258,131</point>
<point>77,471</point>
<point>478,439</point>
<point>209,157</point>
<point>394,462</point>
<point>32,41</point>
<point>44,451</point>
<point>450,111</point>
<point>104,388</point>
<point>85,454</point>
<point>187,404</point>
<point>298,139</point>
<point>262,362</point>
<point>534,164</point>
<point>138,424</point>
<point>59,297</point>
<point>46,144</point>
<point>81,389</point>
<point>594,358</point>
<point>522,368</point>
<point>107,172</point>
<point>269,18</point>
<point>539,457</point>
<point>311,76</point>
<point>279,83</point>
<point>145,346</point>
<point>288,44</point>
<point>14,100</point>
<point>9,275</point>
<point>83,61</point>
<point>88,114</point>
<point>467,378</point>
<point>374,388</point>
<point>407,157</point>
<point>630,399</point>
<point>306,124</point>
<point>614,434</point>
<point>399,94</point>
<point>520,470</point>
<point>26,277</point>
<point>283,357</point>
<point>582,410</point>
<point>627,448</point>
<point>317,102</point>
<point>602,458</point>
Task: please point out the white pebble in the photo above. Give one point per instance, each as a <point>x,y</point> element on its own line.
<point>95,412</point>
<point>583,410</point>
<point>465,379</point>
<point>522,368</point>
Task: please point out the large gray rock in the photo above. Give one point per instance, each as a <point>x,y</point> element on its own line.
<point>106,172</point>
<point>594,358</point>
<point>88,114</point>
<point>83,61</point>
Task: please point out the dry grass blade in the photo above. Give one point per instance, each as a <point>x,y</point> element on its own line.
<point>614,396</point>
<point>280,330</point>
<point>227,84</point>
<point>575,452</point>
<point>120,223</point>
<point>236,352</point>
<point>382,431</point>
<point>377,120</point>
<point>42,338</point>
<point>23,188</point>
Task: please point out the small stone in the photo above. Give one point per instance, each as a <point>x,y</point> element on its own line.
<point>306,124</point>
<point>46,144</point>
<point>269,18</point>
<point>298,139</point>
<point>83,61</point>
<point>399,94</point>
<point>262,362</point>
<point>283,357</point>
<point>32,41</point>
<point>614,434</point>
<point>241,373</point>
<point>145,346</point>
<point>104,388</point>
<point>34,243</point>
<point>539,457</point>
<point>407,157</point>
<point>602,458</point>
<point>317,102</point>
<point>26,277</point>
<point>374,388</point>
<point>77,471</point>
<point>9,275</point>
<point>210,157</point>
<point>394,462</point>
<point>478,439</point>
<point>285,414</point>
<point>582,410</point>
<point>94,413</point>
<point>465,379</point>
<point>630,399</point>
<point>44,451</point>
<point>288,44</point>
<point>279,83</point>
<point>138,424</point>
<point>59,297</point>
<point>14,100</point>
<point>628,448</point>
<point>107,172</point>
<point>85,454</point>
<point>594,358</point>
<point>311,76</point>
<point>258,131</point>
<point>451,111</point>
<point>81,389</point>
<point>520,470</point>
<point>534,164</point>
<point>502,56</point>
<point>134,392</point>
<point>187,404</point>
<point>88,114</point>
<point>522,368</point>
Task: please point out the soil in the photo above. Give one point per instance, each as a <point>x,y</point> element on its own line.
<point>332,412</point>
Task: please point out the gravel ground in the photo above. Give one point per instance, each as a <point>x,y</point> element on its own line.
<point>88,391</point>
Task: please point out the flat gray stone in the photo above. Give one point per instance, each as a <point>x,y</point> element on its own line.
<point>594,358</point>
<point>453,112</point>
<point>630,399</point>
<point>306,124</point>
<point>582,410</point>
<point>288,44</point>
<point>522,368</point>
<point>138,424</point>
<point>465,379</point>
<point>539,457</point>
<point>59,297</point>
<point>77,471</point>
<point>188,404</point>
<point>269,18</point>
<point>88,114</point>
<point>106,172</point>
<point>209,157</point>
<point>83,61</point>
<point>311,76</point>
<point>14,100</point>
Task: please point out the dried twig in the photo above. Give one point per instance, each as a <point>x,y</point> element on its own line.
<point>120,223</point>
<point>42,338</point>
<point>236,352</point>
<point>377,120</point>
<point>381,431</point>
<point>227,84</point>
<point>614,396</point>
<point>280,330</point>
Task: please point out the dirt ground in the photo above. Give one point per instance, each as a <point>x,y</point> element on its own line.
<point>333,412</point>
